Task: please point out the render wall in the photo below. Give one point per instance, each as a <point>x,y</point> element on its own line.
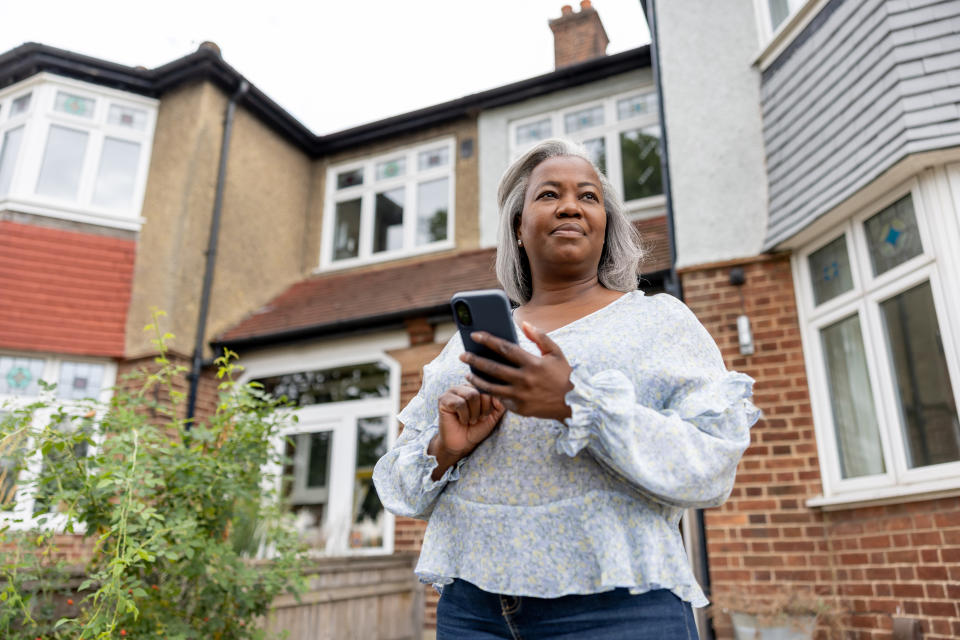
<point>711,96</point>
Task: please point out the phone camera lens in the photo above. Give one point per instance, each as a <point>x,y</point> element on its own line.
<point>463,313</point>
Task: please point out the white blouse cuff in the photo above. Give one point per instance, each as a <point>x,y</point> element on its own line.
<point>427,463</point>
<point>586,401</point>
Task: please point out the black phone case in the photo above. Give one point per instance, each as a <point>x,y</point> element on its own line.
<point>490,311</point>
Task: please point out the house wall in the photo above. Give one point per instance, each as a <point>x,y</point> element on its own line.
<point>64,287</point>
<point>714,130</point>
<point>262,229</point>
<point>493,129</point>
<point>881,562</point>
<point>865,84</point>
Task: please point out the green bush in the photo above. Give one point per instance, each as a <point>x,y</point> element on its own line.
<point>175,516</point>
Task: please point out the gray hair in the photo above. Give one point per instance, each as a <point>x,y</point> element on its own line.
<point>622,251</point>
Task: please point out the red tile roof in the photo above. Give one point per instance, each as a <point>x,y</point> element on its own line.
<point>325,301</point>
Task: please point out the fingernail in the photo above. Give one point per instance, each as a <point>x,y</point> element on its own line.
<point>475,335</point>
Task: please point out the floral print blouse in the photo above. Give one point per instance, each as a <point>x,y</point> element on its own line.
<point>546,508</point>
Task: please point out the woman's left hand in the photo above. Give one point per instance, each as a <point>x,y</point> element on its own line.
<point>536,386</point>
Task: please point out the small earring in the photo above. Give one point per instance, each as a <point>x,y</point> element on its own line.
<point>519,242</point>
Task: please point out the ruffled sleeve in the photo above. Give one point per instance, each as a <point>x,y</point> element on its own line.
<point>684,454</point>
<point>403,476</point>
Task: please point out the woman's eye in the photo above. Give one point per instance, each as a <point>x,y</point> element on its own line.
<point>589,195</point>
<point>546,194</point>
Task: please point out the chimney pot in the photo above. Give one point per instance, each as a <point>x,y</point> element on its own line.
<point>585,4</point>
<point>566,10</point>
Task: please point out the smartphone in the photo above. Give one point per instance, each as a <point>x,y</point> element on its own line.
<point>484,310</point>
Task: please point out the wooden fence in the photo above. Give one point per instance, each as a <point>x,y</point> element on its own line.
<point>354,598</point>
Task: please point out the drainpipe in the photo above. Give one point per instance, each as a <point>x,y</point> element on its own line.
<point>674,288</point>
<point>197,363</point>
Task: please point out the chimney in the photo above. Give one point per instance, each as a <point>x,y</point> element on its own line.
<point>578,37</point>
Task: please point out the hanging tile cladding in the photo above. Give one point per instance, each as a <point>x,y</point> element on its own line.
<point>867,83</point>
<point>63,291</point>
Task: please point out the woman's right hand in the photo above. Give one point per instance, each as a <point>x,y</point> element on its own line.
<point>466,418</point>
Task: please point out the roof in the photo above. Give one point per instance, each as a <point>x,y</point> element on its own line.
<point>206,63</point>
<point>328,304</point>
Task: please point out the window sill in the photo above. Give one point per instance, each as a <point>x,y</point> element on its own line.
<point>350,263</point>
<point>652,207</point>
<point>888,495</point>
<point>74,214</point>
<point>788,32</point>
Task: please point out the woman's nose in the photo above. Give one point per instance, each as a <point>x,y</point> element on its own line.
<point>569,207</point>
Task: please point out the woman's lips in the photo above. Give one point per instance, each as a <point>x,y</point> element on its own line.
<point>568,230</point>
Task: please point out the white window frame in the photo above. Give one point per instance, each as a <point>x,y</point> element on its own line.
<point>367,191</point>
<point>610,131</point>
<point>898,481</point>
<point>341,419</point>
<point>37,121</point>
<point>21,517</point>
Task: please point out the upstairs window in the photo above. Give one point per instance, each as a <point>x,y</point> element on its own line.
<point>74,150</point>
<point>621,134</point>
<point>389,206</point>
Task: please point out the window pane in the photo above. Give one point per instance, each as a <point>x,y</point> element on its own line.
<point>854,418</point>
<point>892,236</point>
<point>597,148</point>
<point>349,178</point>
<point>640,155</point>
<point>830,271</point>
<point>534,131</point>
<point>432,206</point>
<point>117,173</point>
<point>80,380</point>
<point>318,464</point>
<point>8,157</point>
<point>388,221</point>
<point>779,10</point>
<point>583,119</point>
<point>73,104</point>
<point>339,384</point>
<point>346,230</point>
<point>20,105</point>
<point>636,105</point>
<point>62,162</point>
<point>391,168</point>
<point>307,477</point>
<point>439,157</point>
<point>928,409</point>
<point>20,376</point>
<point>368,515</point>
<point>127,117</point>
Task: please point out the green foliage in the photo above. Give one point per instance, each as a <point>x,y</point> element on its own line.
<point>175,515</point>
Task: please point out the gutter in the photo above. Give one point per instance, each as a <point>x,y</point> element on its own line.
<point>197,363</point>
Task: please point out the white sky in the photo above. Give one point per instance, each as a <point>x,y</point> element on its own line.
<point>332,65</point>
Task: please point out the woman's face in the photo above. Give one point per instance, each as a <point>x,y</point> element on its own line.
<point>563,222</point>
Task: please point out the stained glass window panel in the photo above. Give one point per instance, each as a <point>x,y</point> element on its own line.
<point>80,380</point>
<point>73,104</point>
<point>368,515</point>
<point>20,105</point>
<point>8,157</point>
<point>597,150</point>
<point>352,178</point>
<point>117,174</point>
<point>830,271</point>
<point>928,408</point>
<point>338,384</point>
<point>583,119</point>
<point>126,117</point>
<point>851,399</point>
<point>20,376</point>
<point>346,230</point>
<point>433,203</point>
<point>391,168</point>
<point>639,104</point>
<point>534,131</point>
<point>62,162</point>
<point>640,156</point>
<point>893,236</point>
<point>439,157</point>
<point>388,221</point>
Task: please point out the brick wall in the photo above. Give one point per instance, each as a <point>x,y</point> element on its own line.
<point>876,561</point>
<point>63,291</point>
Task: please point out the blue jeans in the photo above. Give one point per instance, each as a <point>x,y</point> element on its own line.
<point>466,612</point>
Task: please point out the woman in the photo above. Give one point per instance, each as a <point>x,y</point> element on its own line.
<point>554,500</point>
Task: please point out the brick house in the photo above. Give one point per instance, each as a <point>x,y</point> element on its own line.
<point>813,153</point>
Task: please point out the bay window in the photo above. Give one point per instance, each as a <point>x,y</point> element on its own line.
<point>389,206</point>
<point>74,150</point>
<point>881,351</point>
